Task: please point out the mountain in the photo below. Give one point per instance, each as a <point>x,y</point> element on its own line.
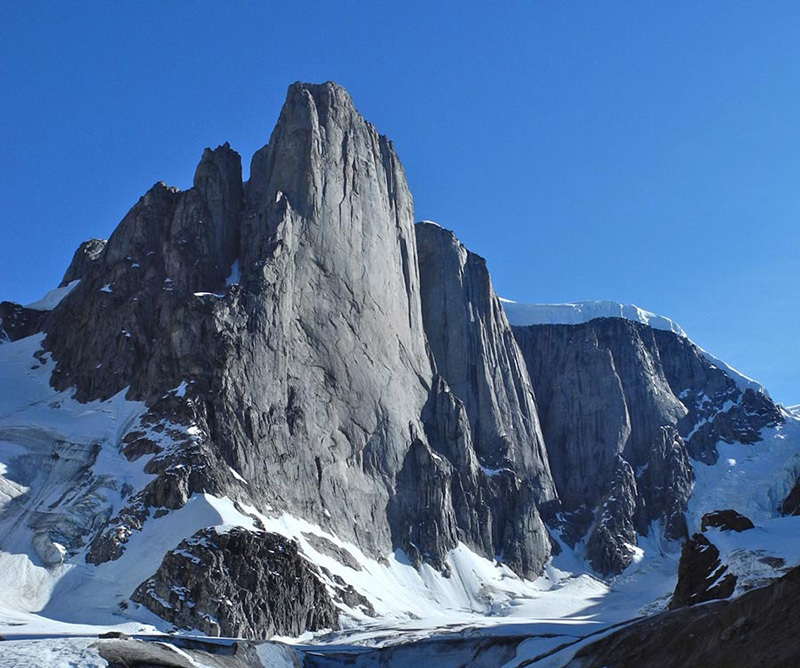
<point>625,409</point>
<point>280,408</point>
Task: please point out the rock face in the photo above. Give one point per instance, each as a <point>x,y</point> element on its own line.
<point>726,520</point>
<point>82,261</point>
<point>623,408</point>
<point>275,331</point>
<point>476,355</point>
<point>701,575</point>
<point>758,628</point>
<point>789,506</point>
<point>475,352</point>
<point>238,583</point>
<point>17,322</point>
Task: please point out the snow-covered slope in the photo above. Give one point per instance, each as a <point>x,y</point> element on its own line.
<point>62,470</point>
<point>53,298</point>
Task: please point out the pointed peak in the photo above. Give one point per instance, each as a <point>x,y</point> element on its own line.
<point>326,94</point>
<point>325,101</point>
<point>222,160</point>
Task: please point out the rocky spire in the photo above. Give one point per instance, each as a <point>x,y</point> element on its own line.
<point>311,375</point>
<point>476,353</point>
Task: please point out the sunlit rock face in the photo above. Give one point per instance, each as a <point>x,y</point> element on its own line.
<point>275,332</point>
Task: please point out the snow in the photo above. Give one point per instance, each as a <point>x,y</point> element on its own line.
<point>760,554</point>
<point>481,596</point>
<point>273,655</point>
<point>51,652</point>
<point>579,312</point>
<point>744,382</point>
<point>751,479</point>
<point>53,298</point>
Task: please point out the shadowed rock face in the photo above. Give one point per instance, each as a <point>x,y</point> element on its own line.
<point>755,629</point>
<point>238,584</point>
<point>623,408</point>
<point>475,351</point>
<point>133,319</point>
<point>17,322</point>
<point>789,506</point>
<point>701,575</point>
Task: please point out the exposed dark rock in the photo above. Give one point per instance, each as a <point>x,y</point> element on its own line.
<point>610,547</point>
<point>343,593</point>
<point>665,483</point>
<point>177,652</point>
<point>82,261</point>
<point>726,520</point>
<point>330,549</point>
<point>791,504</point>
<point>136,297</point>
<point>238,583</point>
<point>17,322</point>
<point>701,574</point>
<point>755,629</point>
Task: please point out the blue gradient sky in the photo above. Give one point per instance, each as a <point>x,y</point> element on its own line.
<point>644,152</point>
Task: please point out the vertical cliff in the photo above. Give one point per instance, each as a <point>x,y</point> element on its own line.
<point>624,407</point>
<point>275,331</point>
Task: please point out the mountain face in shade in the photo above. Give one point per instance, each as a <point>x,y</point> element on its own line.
<point>625,408</point>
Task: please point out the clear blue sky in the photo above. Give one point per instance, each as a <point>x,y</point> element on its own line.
<point>644,152</point>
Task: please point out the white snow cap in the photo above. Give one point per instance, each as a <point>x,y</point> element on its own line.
<point>579,312</point>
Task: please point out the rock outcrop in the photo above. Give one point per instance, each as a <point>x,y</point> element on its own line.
<point>17,322</point>
<point>82,261</point>
<point>238,583</point>
<point>789,506</point>
<point>701,575</point>
<point>726,520</point>
<point>475,352</point>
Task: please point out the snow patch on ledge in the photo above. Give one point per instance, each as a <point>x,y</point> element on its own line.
<point>53,298</point>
